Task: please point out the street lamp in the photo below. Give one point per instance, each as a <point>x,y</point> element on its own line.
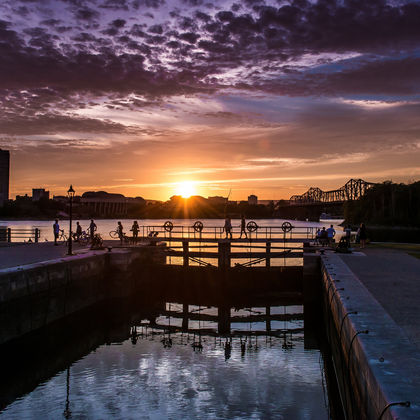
<point>70,195</point>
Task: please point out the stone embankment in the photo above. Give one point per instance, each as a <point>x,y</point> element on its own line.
<point>37,294</point>
<point>377,365</point>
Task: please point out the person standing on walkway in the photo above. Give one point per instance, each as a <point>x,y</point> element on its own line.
<point>92,229</point>
<point>228,227</point>
<point>243,227</point>
<point>135,229</point>
<point>347,232</point>
<point>56,231</point>
<point>78,231</point>
<point>331,234</point>
<point>120,231</point>
<point>362,235</point>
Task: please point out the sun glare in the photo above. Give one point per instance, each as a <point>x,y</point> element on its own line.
<point>185,189</point>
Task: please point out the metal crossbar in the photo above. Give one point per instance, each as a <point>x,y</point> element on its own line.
<point>201,262</point>
<point>275,233</point>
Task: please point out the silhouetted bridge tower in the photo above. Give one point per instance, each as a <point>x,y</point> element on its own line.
<point>352,190</point>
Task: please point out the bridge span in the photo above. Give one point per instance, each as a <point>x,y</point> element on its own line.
<point>351,190</point>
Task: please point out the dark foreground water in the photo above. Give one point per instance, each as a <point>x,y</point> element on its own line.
<point>137,366</point>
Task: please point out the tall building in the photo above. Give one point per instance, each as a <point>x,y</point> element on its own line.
<point>4,175</point>
<point>39,193</point>
<point>252,200</point>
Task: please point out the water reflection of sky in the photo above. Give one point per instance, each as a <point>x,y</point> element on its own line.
<point>148,381</point>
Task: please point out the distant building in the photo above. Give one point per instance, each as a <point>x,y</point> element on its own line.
<point>4,175</point>
<point>23,198</point>
<point>39,193</point>
<point>102,203</point>
<point>61,199</point>
<point>217,200</point>
<point>266,202</point>
<point>252,200</point>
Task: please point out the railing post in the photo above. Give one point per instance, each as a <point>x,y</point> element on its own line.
<point>185,253</point>
<point>268,256</point>
<point>37,235</point>
<point>9,235</point>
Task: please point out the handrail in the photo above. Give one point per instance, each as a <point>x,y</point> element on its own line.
<point>218,232</point>
<point>8,234</point>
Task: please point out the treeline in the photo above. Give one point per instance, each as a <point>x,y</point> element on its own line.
<point>387,204</point>
<point>21,209</point>
<point>198,207</point>
<point>175,208</point>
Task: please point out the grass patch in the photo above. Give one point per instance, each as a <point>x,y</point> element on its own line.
<point>393,245</point>
<point>415,254</point>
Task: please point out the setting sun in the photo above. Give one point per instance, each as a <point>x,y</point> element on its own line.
<point>185,189</point>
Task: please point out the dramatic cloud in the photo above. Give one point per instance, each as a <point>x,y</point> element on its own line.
<point>290,77</point>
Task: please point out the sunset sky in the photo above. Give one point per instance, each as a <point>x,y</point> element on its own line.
<point>260,97</point>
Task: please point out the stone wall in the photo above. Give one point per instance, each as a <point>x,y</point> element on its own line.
<point>35,295</point>
<point>375,363</point>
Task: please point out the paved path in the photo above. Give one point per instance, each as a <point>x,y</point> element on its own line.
<point>393,278</point>
<point>20,254</point>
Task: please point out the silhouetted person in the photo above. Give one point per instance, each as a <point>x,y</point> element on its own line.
<point>331,234</point>
<point>228,227</point>
<point>120,231</point>
<point>323,236</point>
<point>243,227</point>
<point>56,231</point>
<point>362,235</point>
<point>318,235</point>
<point>135,229</point>
<point>92,229</point>
<point>347,232</point>
<point>78,231</point>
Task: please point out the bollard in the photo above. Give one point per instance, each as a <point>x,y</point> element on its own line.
<point>37,234</point>
<point>9,235</point>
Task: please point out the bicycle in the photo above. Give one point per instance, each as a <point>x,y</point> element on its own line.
<point>62,237</point>
<point>83,239</point>
<point>114,234</point>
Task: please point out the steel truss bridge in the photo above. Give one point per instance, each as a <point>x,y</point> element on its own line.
<point>352,190</point>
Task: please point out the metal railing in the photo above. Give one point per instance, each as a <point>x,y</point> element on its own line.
<point>208,245</point>
<point>17,235</point>
<point>212,233</point>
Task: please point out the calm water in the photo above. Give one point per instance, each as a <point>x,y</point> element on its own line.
<point>121,366</point>
<point>134,373</point>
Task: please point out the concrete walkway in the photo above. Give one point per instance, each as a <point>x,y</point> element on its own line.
<point>393,278</point>
<point>21,254</point>
<point>17,254</point>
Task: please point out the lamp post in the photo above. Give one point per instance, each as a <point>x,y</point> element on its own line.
<point>70,194</point>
